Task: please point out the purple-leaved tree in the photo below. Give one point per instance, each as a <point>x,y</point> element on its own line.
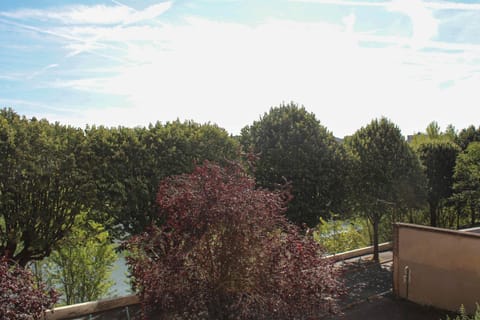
<point>20,296</point>
<point>226,251</point>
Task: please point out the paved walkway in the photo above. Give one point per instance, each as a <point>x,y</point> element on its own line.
<point>364,279</point>
<point>389,308</point>
<point>369,293</point>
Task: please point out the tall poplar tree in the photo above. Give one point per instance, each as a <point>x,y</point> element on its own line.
<point>467,179</point>
<point>383,169</point>
<point>438,158</point>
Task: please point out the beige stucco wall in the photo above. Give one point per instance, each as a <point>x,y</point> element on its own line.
<point>444,266</point>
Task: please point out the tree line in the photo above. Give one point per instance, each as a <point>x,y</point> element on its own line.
<point>51,173</point>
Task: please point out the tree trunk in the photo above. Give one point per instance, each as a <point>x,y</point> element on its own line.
<point>376,257</point>
<point>472,212</point>
<point>433,214</point>
<point>457,209</point>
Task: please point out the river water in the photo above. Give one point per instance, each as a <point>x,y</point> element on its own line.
<point>120,277</point>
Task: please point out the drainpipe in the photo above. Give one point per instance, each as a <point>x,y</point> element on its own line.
<point>406,280</point>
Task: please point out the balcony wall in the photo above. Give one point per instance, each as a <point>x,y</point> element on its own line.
<point>437,267</point>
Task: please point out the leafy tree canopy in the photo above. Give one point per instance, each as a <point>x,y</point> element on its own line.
<point>130,162</point>
<point>434,133</point>
<point>226,251</point>
<point>385,171</point>
<point>468,135</point>
<point>44,184</point>
<point>20,296</point>
<point>81,264</point>
<point>438,158</point>
<point>467,179</point>
<point>292,146</point>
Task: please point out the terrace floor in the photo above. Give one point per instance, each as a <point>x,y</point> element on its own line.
<point>369,287</point>
<point>388,308</point>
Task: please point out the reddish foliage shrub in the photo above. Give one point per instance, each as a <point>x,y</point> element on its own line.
<point>226,251</point>
<point>20,296</point>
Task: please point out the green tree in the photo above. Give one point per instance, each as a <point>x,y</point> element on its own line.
<point>44,184</point>
<point>433,133</point>
<point>342,235</point>
<point>383,169</point>
<point>433,130</point>
<point>292,146</point>
<point>438,158</point>
<point>130,162</point>
<point>81,265</point>
<point>463,315</point>
<point>467,179</point>
<point>467,135</point>
<point>122,176</point>
<point>451,133</point>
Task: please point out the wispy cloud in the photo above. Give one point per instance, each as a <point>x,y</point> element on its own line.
<point>233,63</point>
<point>97,14</point>
<point>203,69</point>
<point>446,5</point>
<point>149,13</point>
<point>94,17</point>
<point>346,2</point>
<point>424,24</point>
<point>28,103</point>
<point>443,5</point>
<point>39,72</point>
<point>73,42</point>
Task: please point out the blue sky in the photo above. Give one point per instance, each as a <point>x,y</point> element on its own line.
<point>227,62</point>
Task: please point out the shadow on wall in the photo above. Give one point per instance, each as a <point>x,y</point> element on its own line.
<point>437,267</point>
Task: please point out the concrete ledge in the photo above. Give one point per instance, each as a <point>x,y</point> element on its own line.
<point>86,308</point>
<point>472,230</point>
<point>386,246</point>
<point>462,232</point>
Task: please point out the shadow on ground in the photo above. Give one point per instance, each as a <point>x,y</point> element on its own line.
<point>389,308</point>
<point>369,296</point>
<point>363,280</point>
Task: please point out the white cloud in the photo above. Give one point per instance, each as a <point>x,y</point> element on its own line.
<point>345,2</point>
<point>39,72</point>
<point>437,5</point>
<point>449,5</point>
<point>91,16</point>
<point>149,13</point>
<point>96,15</point>
<point>421,14</point>
<point>349,22</point>
<point>99,14</point>
<point>424,25</point>
<point>230,73</point>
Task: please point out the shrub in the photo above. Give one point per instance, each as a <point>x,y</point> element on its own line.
<point>81,265</point>
<point>464,316</point>
<point>226,251</point>
<point>342,235</point>
<point>20,296</point>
